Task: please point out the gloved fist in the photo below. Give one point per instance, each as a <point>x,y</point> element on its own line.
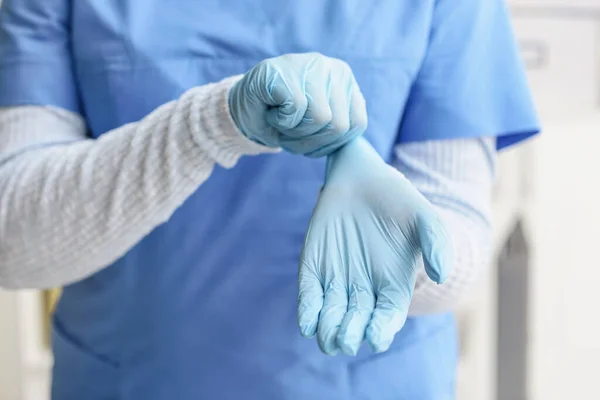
<point>362,250</point>
<point>306,104</point>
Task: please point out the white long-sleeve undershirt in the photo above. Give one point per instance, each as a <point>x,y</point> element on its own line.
<point>70,205</point>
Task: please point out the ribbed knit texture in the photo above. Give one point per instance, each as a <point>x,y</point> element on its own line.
<point>69,205</point>
<point>457,177</point>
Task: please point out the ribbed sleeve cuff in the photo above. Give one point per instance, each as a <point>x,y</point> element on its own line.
<point>213,128</point>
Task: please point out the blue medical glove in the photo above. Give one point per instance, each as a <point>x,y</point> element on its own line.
<point>361,253</point>
<point>304,103</point>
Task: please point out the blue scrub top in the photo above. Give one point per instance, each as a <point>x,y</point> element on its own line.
<point>204,307</point>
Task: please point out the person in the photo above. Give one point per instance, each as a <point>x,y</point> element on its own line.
<point>267,103</point>
<point>199,296</point>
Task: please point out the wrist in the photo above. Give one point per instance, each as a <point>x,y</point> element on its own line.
<point>232,106</point>
<point>214,128</point>
<point>354,155</point>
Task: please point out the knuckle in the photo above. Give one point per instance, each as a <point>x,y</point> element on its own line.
<point>321,115</point>
<point>361,121</point>
<point>299,100</point>
<point>267,64</point>
<point>339,125</point>
<point>316,54</point>
<point>346,72</point>
<point>341,64</point>
<point>360,117</point>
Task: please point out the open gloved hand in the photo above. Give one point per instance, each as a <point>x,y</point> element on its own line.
<point>362,250</point>
<point>306,104</point>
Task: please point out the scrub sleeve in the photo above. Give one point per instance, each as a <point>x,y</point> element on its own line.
<point>35,56</point>
<point>472,81</point>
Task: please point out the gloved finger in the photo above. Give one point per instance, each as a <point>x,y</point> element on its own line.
<point>337,132</point>
<point>319,144</point>
<point>339,102</point>
<point>334,134</point>
<point>437,248</point>
<point>358,110</point>
<point>332,314</point>
<point>357,117</point>
<point>318,112</point>
<point>288,102</point>
<point>352,330</point>
<point>310,301</point>
<point>388,318</point>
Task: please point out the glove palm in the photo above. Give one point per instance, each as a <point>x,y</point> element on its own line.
<point>361,254</point>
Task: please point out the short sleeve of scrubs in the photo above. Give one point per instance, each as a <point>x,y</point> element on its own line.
<point>472,80</point>
<point>35,58</point>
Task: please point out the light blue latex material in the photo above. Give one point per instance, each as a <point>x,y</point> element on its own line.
<point>307,104</point>
<point>360,258</point>
<point>205,307</point>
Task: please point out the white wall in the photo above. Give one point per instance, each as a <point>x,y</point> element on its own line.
<point>563,213</point>
<point>561,44</point>
<point>10,373</point>
<point>565,226</point>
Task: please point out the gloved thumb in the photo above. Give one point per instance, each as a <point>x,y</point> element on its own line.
<point>436,245</point>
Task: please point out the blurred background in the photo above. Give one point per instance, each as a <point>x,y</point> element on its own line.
<point>532,329</point>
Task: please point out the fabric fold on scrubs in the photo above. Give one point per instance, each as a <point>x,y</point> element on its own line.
<point>35,71</point>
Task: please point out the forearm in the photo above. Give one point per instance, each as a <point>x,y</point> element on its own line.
<point>456,176</point>
<point>68,210</point>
